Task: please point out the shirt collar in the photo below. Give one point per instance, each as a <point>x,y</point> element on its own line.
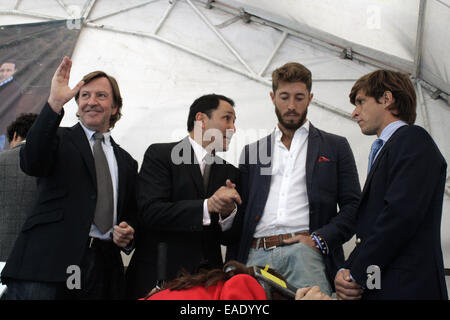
<point>389,130</point>
<point>89,133</point>
<point>279,133</point>
<point>6,81</point>
<point>199,151</point>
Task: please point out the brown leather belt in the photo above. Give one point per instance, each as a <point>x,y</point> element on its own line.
<point>272,242</point>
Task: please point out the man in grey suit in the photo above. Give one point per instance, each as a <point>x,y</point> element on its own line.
<point>17,190</point>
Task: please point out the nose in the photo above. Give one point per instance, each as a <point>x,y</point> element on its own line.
<point>355,112</point>
<point>92,100</point>
<point>232,127</point>
<point>291,104</point>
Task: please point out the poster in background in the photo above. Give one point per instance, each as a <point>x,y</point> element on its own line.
<point>29,55</point>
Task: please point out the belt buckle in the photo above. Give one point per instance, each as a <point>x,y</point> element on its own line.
<point>265,246</point>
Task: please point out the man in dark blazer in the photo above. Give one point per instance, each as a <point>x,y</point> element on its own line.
<point>291,184</point>
<point>17,190</point>
<point>398,253</point>
<point>178,207</point>
<point>63,251</point>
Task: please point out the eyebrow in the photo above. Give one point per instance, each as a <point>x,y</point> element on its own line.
<point>298,93</point>
<point>230,113</point>
<point>100,91</point>
<point>359,98</point>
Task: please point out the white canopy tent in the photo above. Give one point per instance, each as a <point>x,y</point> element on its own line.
<point>165,54</point>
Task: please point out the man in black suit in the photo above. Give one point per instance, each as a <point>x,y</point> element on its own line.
<point>398,253</point>
<point>69,247</point>
<point>291,183</point>
<point>186,199</point>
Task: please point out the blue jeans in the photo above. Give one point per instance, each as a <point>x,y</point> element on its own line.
<point>300,264</point>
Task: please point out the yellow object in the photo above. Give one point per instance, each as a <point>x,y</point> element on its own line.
<point>272,277</point>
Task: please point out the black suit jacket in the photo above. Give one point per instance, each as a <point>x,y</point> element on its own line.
<point>170,201</point>
<point>330,182</point>
<point>55,234</point>
<point>399,219</point>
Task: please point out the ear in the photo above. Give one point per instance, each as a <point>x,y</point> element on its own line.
<point>200,116</point>
<point>388,99</point>
<point>113,109</point>
<point>272,96</point>
<point>311,95</point>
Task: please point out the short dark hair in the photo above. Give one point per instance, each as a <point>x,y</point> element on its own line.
<point>292,72</point>
<point>21,125</point>
<point>376,83</point>
<point>117,98</point>
<point>12,61</point>
<point>205,104</point>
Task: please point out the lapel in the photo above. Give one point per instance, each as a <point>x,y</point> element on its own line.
<point>378,160</point>
<point>263,172</point>
<point>121,168</point>
<point>311,157</point>
<point>81,142</point>
<point>192,165</point>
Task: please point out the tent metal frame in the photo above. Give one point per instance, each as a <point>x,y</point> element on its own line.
<point>288,29</point>
<point>342,48</point>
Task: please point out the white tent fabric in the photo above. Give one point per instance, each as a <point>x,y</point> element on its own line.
<point>165,54</point>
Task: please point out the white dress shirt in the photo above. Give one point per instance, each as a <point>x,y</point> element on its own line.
<point>113,169</point>
<point>200,154</point>
<point>287,206</point>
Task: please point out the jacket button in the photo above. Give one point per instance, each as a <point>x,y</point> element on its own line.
<point>94,196</point>
<point>256,218</point>
<point>358,240</point>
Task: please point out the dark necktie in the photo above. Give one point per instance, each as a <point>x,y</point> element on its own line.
<point>104,210</point>
<point>376,146</point>
<point>208,160</point>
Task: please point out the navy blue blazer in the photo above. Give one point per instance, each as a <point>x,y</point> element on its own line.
<point>399,219</point>
<point>331,181</point>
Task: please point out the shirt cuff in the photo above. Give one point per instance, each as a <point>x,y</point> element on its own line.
<point>227,223</point>
<point>206,217</point>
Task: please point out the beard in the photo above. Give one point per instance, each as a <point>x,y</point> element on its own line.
<point>291,124</point>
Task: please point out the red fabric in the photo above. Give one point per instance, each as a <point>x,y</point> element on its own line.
<point>239,287</point>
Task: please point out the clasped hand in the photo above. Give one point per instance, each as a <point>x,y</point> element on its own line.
<point>224,200</point>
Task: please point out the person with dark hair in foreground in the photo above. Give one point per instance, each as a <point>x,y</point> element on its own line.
<point>234,282</point>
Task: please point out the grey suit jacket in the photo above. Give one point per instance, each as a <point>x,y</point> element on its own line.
<point>17,194</point>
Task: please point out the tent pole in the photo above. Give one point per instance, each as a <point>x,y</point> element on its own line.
<point>122,10</point>
<point>274,52</point>
<point>423,108</point>
<point>419,39</point>
<point>166,14</point>
<point>87,9</point>
<point>219,35</point>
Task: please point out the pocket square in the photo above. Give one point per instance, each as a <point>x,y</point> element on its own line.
<point>322,159</point>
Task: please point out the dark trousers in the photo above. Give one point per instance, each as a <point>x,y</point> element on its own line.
<point>102,277</point>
